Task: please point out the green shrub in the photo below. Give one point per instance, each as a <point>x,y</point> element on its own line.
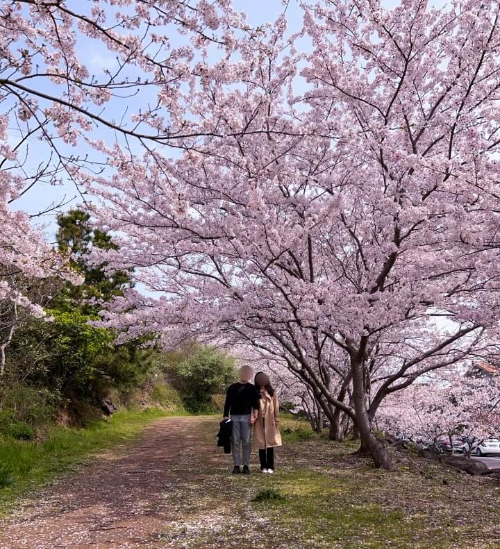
<point>268,495</point>
<point>166,396</point>
<point>83,413</point>
<point>26,404</point>
<point>286,407</point>
<point>198,372</point>
<point>218,402</point>
<point>21,431</point>
<point>6,417</point>
<point>6,477</point>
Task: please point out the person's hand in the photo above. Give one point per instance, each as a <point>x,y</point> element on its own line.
<point>253,420</point>
<point>276,421</point>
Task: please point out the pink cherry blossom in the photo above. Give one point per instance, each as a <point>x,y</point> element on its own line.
<point>334,208</point>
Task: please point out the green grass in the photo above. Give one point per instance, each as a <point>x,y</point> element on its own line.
<point>337,501</point>
<point>326,513</point>
<point>268,495</point>
<point>26,465</point>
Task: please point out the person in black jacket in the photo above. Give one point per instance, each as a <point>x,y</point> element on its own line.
<point>242,403</point>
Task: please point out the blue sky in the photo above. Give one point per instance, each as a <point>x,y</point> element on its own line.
<point>97,59</point>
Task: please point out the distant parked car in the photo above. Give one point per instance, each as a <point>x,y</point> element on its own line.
<point>488,446</point>
<point>444,445</point>
<point>456,446</point>
<point>459,446</point>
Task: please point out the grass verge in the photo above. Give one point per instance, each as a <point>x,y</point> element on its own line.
<point>340,501</point>
<point>27,465</point>
<point>328,516</point>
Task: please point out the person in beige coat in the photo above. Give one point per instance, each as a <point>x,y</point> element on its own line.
<point>266,423</point>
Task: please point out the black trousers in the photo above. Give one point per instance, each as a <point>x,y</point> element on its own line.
<point>266,458</point>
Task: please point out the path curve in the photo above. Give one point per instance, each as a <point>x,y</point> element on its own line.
<point>170,488</point>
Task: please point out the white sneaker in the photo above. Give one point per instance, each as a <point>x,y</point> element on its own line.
<point>270,471</point>
<point>263,470</point>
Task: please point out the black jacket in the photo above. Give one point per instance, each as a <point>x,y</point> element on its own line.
<point>241,399</point>
<point>225,435</point>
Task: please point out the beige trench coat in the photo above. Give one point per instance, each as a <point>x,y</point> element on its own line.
<point>266,433</point>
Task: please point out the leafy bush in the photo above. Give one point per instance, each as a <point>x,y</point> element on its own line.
<point>21,431</point>
<point>218,402</point>
<point>5,421</point>
<point>166,396</point>
<point>123,368</point>
<point>198,372</point>
<point>287,407</point>
<point>83,413</point>
<point>268,495</point>
<point>26,404</point>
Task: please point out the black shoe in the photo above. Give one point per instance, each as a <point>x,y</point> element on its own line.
<point>236,470</point>
<point>246,470</point>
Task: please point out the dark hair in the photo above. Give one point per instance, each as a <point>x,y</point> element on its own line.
<point>268,386</point>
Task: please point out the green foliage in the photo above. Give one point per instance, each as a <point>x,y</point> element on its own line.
<point>77,237</point>
<point>19,402</point>
<point>218,402</point>
<point>299,434</point>
<point>166,396</point>
<point>268,495</point>
<point>5,421</point>
<point>76,346</point>
<point>286,407</point>
<point>78,361</point>
<point>74,234</point>
<point>199,372</point>
<point>21,431</point>
<point>124,368</point>
<point>6,478</point>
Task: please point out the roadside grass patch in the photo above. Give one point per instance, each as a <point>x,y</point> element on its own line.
<point>25,465</point>
<point>298,435</point>
<point>293,430</point>
<point>268,495</point>
<point>326,513</point>
<point>6,478</point>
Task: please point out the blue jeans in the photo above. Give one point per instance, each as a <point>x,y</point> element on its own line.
<point>242,436</point>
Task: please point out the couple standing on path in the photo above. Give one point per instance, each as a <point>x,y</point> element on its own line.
<point>253,406</point>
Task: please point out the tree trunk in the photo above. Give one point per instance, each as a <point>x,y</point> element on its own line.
<point>369,443</point>
<point>8,341</point>
<point>320,422</point>
<point>363,449</point>
<point>336,427</point>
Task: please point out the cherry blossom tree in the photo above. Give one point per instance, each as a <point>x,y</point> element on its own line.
<point>25,258</point>
<point>345,218</point>
<point>52,104</point>
<point>449,404</point>
<point>325,206</point>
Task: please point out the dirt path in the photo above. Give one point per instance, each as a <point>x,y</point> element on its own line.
<point>171,488</point>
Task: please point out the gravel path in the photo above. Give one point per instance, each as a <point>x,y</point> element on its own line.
<point>171,488</point>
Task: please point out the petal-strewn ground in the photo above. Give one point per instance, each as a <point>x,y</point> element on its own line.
<point>171,488</point>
